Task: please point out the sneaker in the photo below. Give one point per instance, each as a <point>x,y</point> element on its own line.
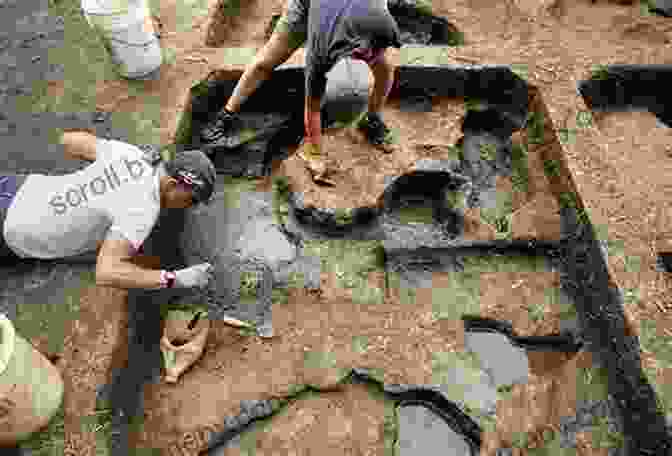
<point>376,132</point>
<point>222,124</point>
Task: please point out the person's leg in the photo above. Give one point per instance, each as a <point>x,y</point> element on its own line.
<point>9,186</point>
<point>372,123</point>
<point>383,75</point>
<point>277,50</point>
<point>289,34</point>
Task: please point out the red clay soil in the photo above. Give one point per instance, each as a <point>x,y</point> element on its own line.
<point>559,41</point>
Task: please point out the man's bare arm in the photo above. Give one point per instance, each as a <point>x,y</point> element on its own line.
<point>115,268</point>
<point>79,145</point>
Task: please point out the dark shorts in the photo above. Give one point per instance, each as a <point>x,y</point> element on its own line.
<point>9,187</point>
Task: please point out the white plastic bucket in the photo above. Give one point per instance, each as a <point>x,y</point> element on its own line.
<point>31,388</point>
<point>128,33</point>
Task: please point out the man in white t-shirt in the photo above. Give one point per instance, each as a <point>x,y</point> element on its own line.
<point>110,206</point>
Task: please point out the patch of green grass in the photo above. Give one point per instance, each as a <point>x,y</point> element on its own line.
<point>456,199</point>
<point>249,281</point>
<point>616,248</point>
<point>499,216</point>
<point>188,10</point>
<point>415,214</point>
<point>343,216</point>
<point>551,446</point>
<point>584,119</point>
<point>360,344</point>
<point>51,440</point>
<point>456,38</point>
<point>455,153</point>
<point>391,430</point>
<point>520,169</point>
<point>280,200</point>
<point>503,263</point>
<point>488,152</point>
<point>280,296</point>
<point>37,318</point>
<point>599,72</point>
<point>169,55</point>
<point>407,295</point>
<point>424,55</point>
<point>474,104</point>
<point>505,389</point>
<point>631,295</point>
<point>80,44</point>
<point>552,168</point>
<point>663,390</point>
<point>535,128</point>
<point>461,296</point>
<point>659,345</point>
<point>247,135</point>
<point>536,311</point>
<point>555,298</point>
<point>521,70</point>
<point>603,437</point>
<point>424,7</point>
<point>233,188</point>
<point>568,200</point>
<point>519,440</point>
<point>566,135</point>
<point>591,384</point>
<point>351,262</point>
<point>646,8</point>
<point>247,331</point>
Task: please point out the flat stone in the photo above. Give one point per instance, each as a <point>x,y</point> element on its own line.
<point>263,238</point>
<point>421,431</point>
<point>506,363</point>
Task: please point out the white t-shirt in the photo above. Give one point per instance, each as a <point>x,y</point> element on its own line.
<point>116,197</point>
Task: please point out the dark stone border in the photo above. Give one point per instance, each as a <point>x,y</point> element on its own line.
<point>626,87</point>
<point>496,86</point>
<point>403,395</point>
<point>551,342</point>
<point>622,87</point>
<point>599,303</point>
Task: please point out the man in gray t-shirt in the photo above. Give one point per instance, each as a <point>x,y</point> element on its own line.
<point>331,30</point>
<point>110,206</point>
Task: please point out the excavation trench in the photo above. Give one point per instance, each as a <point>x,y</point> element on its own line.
<point>634,120</point>
<point>448,287</point>
<point>53,283</point>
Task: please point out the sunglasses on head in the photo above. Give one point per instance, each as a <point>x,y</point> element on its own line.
<point>190,181</point>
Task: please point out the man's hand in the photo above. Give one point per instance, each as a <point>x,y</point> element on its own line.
<point>195,276</point>
<point>79,145</point>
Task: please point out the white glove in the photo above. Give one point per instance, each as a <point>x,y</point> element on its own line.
<point>194,276</point>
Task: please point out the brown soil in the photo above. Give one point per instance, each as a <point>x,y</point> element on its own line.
<point>557,42</point>
<point>359,169</point>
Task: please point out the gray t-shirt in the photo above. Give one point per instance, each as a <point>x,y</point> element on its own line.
<point>336,28</point>
<point>116,197</point>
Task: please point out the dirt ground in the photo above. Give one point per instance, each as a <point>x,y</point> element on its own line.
<point>559,42</point>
